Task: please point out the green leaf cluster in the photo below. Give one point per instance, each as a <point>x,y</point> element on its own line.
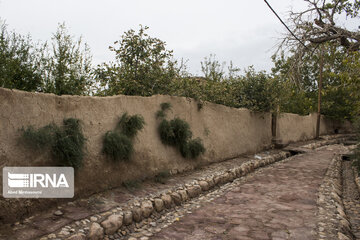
<point>118,144</point>
<point>177,133</point>
<point>18,61</point>
<point>61,67</point>
<point>341,81</point>
<point>66,143</point>
<point>66,65</point>
<point>130,125</point>
<point>143,66</point>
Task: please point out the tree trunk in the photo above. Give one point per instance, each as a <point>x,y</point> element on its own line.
<point>319,92</point>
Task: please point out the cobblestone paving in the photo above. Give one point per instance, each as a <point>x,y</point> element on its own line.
<point>244,197</point>
<point>45,223</point>
<point>351,198</point>
<point>277,203</point>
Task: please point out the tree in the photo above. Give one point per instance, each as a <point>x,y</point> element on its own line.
<point>212,69</point>
<point>257,91</point>
<point>66,66</point>
<point>18,61</point>
<point>340,91</point>
<point>296,96</point>
<point>317,25</point>
<point>320,24</point>
<point>143,66</point>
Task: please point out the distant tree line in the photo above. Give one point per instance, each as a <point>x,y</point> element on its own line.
<point>61,67</point>
<point>144,66</point>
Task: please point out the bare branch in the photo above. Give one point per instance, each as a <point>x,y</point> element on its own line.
<point>317,24</point>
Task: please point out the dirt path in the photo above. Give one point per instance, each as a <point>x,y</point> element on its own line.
<point>277,203</point>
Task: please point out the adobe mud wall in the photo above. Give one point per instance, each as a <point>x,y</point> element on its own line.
<point>226,133</point>
<point>293,128</point>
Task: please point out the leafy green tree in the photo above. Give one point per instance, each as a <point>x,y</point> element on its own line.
<point>340,83</point>
<point>18,61</point>
<point>257,91</point>
<point>66,65</point>
<point>233,72</point>
<point>320,23</point>
<point>340,94</point>
<point>298,95</point>
<point>143,66</point>
<point>351,79</point>
<point>202,90</point>
<point>212,69</point>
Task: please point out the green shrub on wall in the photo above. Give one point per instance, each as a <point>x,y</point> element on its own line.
<point>177,133</point>
<point>43,137</point>
<point>68,147</point>
<point>66,142</point>
<point>163,107</point>
<point>193,148</point>
<point>118,144</point>
<point>130,125</point>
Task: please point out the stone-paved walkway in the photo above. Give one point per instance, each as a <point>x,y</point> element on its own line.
<point>277,203</point>
<point>46,223</point>
<point>77,216</point>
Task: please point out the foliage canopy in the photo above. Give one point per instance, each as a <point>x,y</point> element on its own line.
<point>143,66</point>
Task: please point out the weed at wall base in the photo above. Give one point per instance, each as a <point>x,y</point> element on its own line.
<point>132,185</point>
<point>162,177</point>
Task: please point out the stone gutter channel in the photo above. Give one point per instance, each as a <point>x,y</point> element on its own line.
<point>334,221</point>
<point>131,219</point>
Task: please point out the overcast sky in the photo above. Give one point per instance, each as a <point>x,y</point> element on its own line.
<point>245,32</point>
